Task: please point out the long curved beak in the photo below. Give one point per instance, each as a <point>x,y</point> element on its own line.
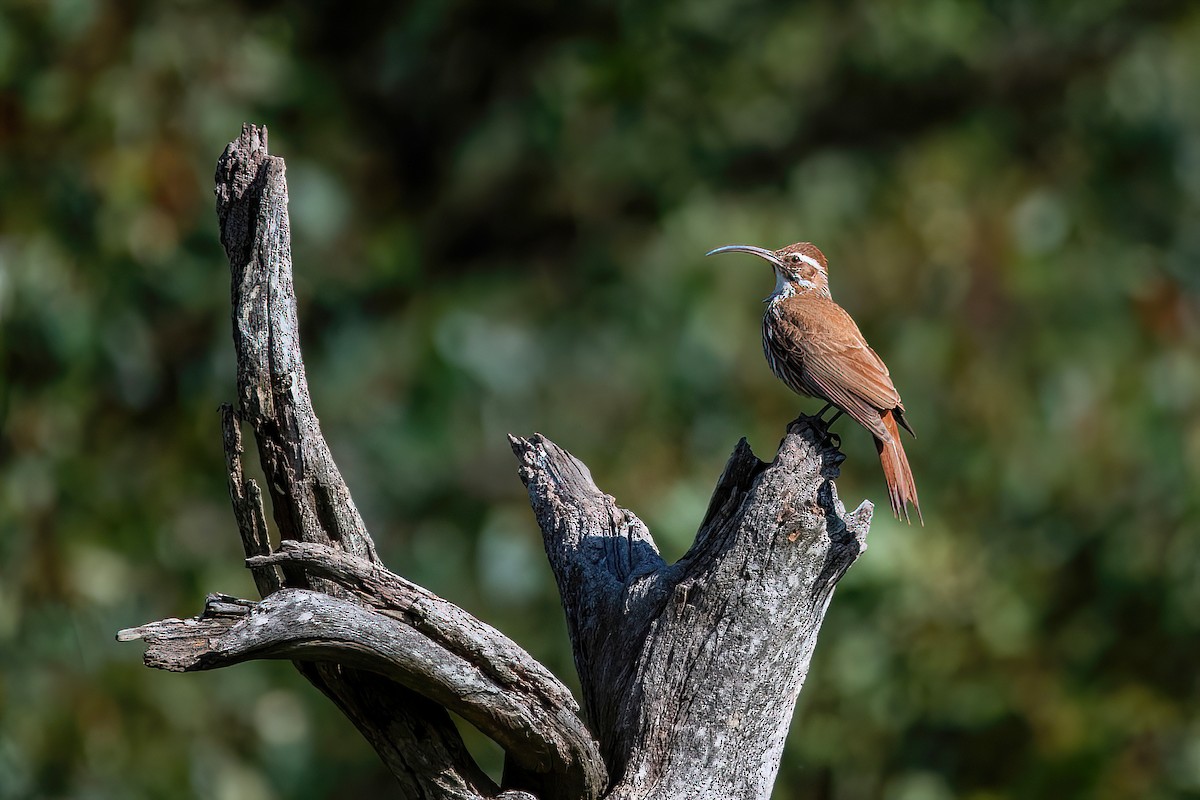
<point>762,253</point>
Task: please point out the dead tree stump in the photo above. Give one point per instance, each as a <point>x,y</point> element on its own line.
<point>690,671</point>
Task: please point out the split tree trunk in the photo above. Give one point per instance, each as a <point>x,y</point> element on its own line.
<point>690,671</point>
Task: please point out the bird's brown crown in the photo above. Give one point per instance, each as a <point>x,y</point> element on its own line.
<point>803,249</point>
<point>804,264</point>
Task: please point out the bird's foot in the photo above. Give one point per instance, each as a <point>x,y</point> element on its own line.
<point>829,437</point>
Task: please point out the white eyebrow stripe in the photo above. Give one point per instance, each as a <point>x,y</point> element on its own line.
<point>809,260</point>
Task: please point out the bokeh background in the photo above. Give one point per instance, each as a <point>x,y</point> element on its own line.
<point>500,212</point>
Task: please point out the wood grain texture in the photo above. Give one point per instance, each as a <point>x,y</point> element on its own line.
<point>690,671</point>
<point>475,671</point>
<point>308,496</point>
<point>409,636</point>
<point>391,655</point>
<point>315,628</point>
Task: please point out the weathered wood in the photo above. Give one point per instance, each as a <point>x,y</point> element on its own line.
<point>248,511</point>
<point>691,671</point>
<point>474,670</point>
<point>312,504</point>
<point>408,636</point>
<point>309,498</point>
<point>231,631</point>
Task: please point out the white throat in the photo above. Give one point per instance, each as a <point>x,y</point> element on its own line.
<point>785,288</point>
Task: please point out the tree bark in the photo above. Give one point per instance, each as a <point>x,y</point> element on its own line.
<point>689,671</point>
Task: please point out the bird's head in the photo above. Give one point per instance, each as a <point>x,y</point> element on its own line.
<point>799,267</point>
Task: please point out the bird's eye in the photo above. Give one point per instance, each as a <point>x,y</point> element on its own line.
<point>794,258</point>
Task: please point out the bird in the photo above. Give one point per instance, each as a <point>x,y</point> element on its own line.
<point>814,346</point>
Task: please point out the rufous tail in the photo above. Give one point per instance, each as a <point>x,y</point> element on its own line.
<point>901,489</point>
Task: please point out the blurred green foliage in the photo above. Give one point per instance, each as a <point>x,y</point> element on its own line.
<point>500,211</point>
